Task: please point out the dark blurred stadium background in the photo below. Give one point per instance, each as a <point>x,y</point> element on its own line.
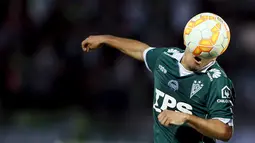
<point>51,92</point>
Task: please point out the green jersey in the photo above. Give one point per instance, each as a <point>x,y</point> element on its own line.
<point>208,94</point>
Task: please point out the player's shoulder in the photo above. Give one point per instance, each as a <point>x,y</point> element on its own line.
<point>170,50</point>
<point>173,52</point>
<point>220,82</point>
<point>217,75</point>
<point>165,53</point>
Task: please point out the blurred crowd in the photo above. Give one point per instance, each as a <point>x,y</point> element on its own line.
<point>50,91</point>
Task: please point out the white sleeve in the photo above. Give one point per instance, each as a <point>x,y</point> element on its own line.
<point>144,57</point>
<point>230,122</point>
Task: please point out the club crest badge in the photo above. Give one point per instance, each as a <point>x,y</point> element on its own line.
<point>173,84</point>
<point>196,86</point>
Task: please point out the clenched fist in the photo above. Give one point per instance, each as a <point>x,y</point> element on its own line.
<point>93,42</point>
<point>168,117</point>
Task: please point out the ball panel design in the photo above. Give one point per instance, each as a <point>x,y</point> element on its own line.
<point>187,31</point>
<point>225,45</point>
<point>201,27</point>
<point>206,35</point>
<point>192,46</point>
<point>195,36</point>
<point>216,50</point>
<point>205,49</point>
<point>195,18</point>
<point>225,42</point>
<point>197,51</point>
<point>223,50</point>
<point>219,40</point>
<point>205,54</point>
<point>210,24</point>
<point>205,43</point>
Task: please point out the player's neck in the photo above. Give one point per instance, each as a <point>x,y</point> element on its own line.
<point>183,62</point>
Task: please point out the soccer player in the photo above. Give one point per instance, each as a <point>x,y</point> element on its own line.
<point>193,97</point>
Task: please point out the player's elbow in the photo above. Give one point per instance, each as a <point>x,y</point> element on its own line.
<point>226,133</point>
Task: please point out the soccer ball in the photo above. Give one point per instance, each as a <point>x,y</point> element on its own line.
<point>206,35</point>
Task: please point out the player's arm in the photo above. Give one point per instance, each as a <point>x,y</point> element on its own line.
<point>220,102</point>
<point>210,127</point>
<point>219,122</point>
<point>130,47</point>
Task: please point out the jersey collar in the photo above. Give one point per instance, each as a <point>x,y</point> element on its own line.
<point>178,57</point>
<point>208,66</point>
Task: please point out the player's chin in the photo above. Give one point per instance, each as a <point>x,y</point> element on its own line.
<point>195,67</point>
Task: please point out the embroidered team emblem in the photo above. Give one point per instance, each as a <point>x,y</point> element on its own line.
<point>172,51</point>
<point>225,92</point>
<point>215,73</point>
<point>196,86</point>
<point>173,84</point>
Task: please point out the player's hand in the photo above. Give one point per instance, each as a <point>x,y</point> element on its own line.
<point>168,117</point>
<point>92,42</point>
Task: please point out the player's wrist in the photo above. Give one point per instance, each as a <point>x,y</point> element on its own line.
<point>106,39</point>
<point>187,117</point>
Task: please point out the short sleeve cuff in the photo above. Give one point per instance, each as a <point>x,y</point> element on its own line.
<point>227,121</point>
<point>144,57</point>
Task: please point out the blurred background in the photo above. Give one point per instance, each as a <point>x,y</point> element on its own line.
<point>51,92</point>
